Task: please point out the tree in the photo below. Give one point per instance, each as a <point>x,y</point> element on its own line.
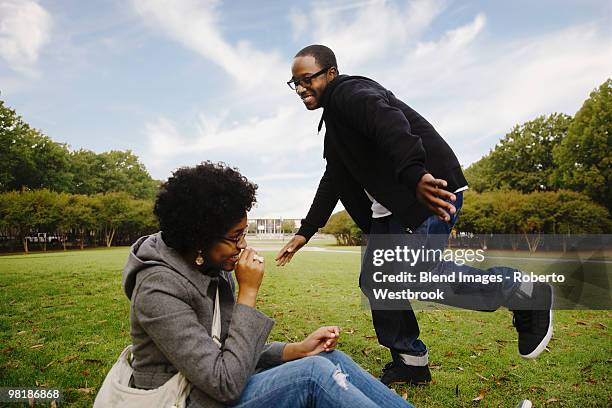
<point>6,225</point>
<point>536,215</point>
<point>30,211</point>
<point>480,175</point>
<point>112,210</point>
<point>84,166</point>
<point>18,214</point>
<point>48,212</point>
<point>583,159</point>
<point>139,220</point>
<point>493,212</point>
<point>118,216</point>
<point>576,213</point>
<point>531,215</point>
<point>76,214</point>
<point>523,159</point>
<point>111,172</point>
<point>122,171</point>
<point>29,158</point>
<point>12,127</point>
<point>288,227</point>
<point>343,228</point>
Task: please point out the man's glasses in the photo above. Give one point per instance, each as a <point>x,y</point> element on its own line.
<point>305,80</point>
<point>236,240</point>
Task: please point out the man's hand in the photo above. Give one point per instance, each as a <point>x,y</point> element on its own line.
<point>429,191</point>
<point>287,252</point>
<point>323,339</point>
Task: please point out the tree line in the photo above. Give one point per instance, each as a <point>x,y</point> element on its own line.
<point>548,175</point>
<point>552,174</point>
<point>53,196</point>
<point>555,152</point>
<point>31,160</point>
<point>43,217</point>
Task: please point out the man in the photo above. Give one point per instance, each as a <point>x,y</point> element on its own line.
<point>396,175</point>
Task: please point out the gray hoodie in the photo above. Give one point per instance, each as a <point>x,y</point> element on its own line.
<point>171,317</point>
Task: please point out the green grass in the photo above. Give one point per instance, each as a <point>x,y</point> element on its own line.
<point>65,319</point>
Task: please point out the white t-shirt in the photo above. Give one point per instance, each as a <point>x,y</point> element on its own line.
<point>379,211</point>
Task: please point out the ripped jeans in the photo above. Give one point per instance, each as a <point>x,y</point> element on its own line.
<point>326,380</point>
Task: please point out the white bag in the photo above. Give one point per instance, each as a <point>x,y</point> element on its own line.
<point>116,392</point>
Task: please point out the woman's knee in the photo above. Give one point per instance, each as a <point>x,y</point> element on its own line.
<point>319,365</point>
<point>335,356</point>
<point>325,371</point>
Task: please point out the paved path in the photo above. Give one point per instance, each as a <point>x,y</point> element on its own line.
<point>352,251</point>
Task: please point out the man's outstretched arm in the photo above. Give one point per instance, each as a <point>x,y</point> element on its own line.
<point>324,202</point>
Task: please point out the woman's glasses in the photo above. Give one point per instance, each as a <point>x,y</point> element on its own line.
<point>235,240</point>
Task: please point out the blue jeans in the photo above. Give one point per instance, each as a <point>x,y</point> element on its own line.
<point>398,329</point>
<point>326,380</point>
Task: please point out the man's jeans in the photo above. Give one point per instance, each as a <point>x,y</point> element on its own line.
<point>398,329</point>
<point>326,380</point>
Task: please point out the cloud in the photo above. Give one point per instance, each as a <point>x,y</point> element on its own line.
<point>194,24</point>
<point>282,153</point>
<point>283,200</point>
<point>269,143</point>
<point>476,92</point>
<point>373,30</point>
<point>25,27</point>
<point>471,86</point>
<point>287,176</point>
<point>453,40</point>
<point>264,133</point>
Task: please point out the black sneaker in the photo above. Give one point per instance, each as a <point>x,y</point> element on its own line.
<point>396,372</point>
<point>535,327</point>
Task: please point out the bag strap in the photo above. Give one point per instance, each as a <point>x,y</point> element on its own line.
<point>216,321</point>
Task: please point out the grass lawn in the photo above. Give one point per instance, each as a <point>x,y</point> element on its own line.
<point>65,319</point>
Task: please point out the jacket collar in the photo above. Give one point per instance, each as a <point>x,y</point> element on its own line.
<point>200,279</point>
<point>330,89</point>
<point>326,96</point>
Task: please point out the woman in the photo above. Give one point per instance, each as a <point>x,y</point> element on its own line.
<point>172,279</point>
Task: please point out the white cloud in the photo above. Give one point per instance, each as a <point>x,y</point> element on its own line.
<point>194,25</point>
<point>267,143</point>
<point>263,133</point>
<point>474,95</point>
<point>472,87</point>
<point>282,153</point>
<point>453,40</point>
<point>25,28</point>
<point>288,202</point>
<point>374,30</point>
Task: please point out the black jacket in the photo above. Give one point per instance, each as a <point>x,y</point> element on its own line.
<point>374,141</point>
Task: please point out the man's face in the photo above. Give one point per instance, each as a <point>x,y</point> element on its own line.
<point>310,90</point>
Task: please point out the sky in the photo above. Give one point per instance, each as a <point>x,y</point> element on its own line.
<point>182,81</point>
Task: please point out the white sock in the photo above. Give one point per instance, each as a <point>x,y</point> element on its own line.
<point>415,360</point>
<point>526,289</point>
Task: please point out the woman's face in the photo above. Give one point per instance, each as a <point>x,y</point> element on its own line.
<point>224,253</point>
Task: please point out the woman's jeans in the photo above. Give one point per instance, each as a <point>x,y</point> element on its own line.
<point>326,380</point>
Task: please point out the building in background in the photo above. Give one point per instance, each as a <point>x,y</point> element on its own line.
<point>272,227</point>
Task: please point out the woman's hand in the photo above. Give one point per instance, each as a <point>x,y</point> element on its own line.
<point>249,273</point>
<point>323,339</point>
